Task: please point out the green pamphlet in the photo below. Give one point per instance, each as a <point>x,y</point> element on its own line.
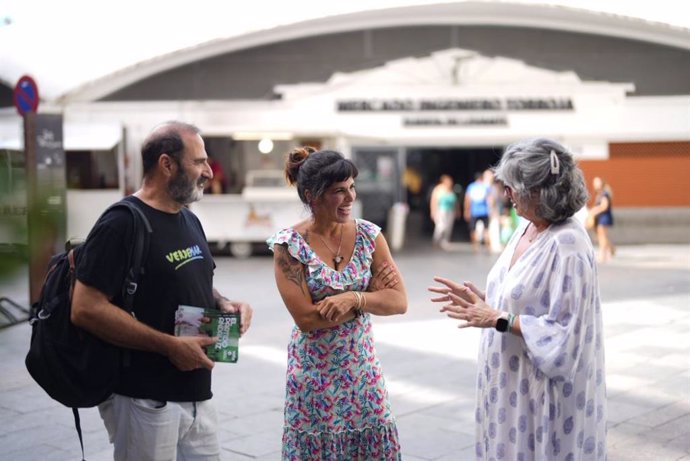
<point>222,325</point>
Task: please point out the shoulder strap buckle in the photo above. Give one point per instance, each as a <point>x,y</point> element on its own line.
<point>132,288</point>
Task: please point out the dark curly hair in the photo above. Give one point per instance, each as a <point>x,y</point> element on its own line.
<point>315,171</point>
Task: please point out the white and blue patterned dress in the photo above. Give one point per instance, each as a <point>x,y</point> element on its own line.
<point>543,396</point>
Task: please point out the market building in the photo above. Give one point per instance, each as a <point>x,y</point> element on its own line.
<point>409,93</point>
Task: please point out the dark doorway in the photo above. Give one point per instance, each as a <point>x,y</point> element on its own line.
<point>378,183</point>
<point>429,164</point>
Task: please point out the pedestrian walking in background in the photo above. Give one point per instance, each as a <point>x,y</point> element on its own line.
<point>507,218</point>
<point>493,201</point>
<point>161,409</point>
<point>541,384</point>
<point>442,208</point>
<point>602,216</point>
<point>333,272</point>
<point>476,211</point>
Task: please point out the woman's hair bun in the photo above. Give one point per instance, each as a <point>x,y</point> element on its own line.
<point>294,160</point>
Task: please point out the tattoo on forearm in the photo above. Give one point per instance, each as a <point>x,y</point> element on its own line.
<point>292,269</point>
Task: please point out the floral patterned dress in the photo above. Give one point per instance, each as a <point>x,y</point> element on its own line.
<point>336,403</point>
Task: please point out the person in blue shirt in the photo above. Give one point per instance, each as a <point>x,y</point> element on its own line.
<point>476,211</point>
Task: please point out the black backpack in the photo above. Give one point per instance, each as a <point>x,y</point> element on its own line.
<point>73,366</point>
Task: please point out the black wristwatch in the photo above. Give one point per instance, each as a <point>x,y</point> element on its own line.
<point>503,322</point>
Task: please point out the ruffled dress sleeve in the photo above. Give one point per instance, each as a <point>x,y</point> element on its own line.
<point>299,249</point>
<point>296,245</point>
<point>367,233</point>
<point>323,279</point>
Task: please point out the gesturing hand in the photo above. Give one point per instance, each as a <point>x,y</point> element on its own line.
<point>456,288</point>
<point>466,302</point>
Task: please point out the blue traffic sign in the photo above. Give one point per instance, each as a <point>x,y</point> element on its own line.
<point>26,95</point>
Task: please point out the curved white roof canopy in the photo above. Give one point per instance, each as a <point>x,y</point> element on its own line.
<point>465,13</point>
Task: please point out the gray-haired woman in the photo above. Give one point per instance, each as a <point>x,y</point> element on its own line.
<point>541,387</point>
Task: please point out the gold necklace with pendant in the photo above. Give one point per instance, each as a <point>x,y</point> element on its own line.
<point>337,257</point>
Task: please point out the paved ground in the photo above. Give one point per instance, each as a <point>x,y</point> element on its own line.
<point>429,365</point>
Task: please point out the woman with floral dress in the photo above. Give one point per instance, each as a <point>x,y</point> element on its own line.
<point>333,272</point>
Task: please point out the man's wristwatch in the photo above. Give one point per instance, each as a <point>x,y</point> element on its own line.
<point>503,322</point>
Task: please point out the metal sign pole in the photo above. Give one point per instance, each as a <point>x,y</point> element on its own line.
<point>46,182</point>
<point>36,260</point>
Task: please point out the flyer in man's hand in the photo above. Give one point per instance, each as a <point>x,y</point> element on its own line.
<point>222,325</point>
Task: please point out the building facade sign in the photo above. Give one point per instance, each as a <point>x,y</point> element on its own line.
<point>426,122</point>
<point>451,104</point>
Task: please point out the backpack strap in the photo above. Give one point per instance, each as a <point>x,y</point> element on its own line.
<point>142,234</point>
<point>77,424</point>
<point>140,247</point>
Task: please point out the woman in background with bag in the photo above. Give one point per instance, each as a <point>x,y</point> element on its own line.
<point>601,218</point>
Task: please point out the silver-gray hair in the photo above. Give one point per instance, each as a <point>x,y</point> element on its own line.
<point>527,167</point>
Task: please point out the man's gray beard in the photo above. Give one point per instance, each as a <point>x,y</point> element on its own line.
<point>184,191</point>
